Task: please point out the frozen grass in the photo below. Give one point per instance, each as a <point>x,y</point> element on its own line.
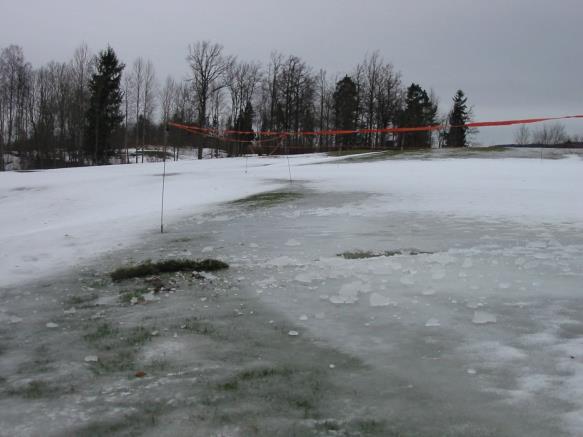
<point>81,299</point>
<point>294,390</point>
<point>103,331</point>
<point>197,326</point>
<point>117,348</point>
<point>39,389</point>
<point>363,254</point>
<point>129,425</point>
<point>253,375</point>
<point>148,268</point>
<point>263,200</point>
<point>126,296</point>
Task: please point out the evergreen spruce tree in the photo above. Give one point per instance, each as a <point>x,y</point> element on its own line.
<point>345,107</point>
<point>245,123</point>
<point>104,114</point>
<point>459,116</point>
<point>419,111</point>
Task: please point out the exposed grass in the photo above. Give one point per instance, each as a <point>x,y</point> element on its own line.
<point>148,268</point>
<point>81,299</point>
<point>127,296</point>
<point>373,427</point>
<point>158,365</point>
<point>182,240</point>
<point>118,348</point>
<point>291,391</point>
<point>268,199</point>
<point>40,365</point>
<point>103,331</point>
<point>137,336</point>
<point>129,425</point>
<point>120,361</point>
<point>39,389</point>
<point>363,254</point>
<point>254,374</point>
<point>328,425</point>
<point>199,327</point>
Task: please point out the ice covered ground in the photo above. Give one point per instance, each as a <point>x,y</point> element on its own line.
<point>56,218</point>
<point>469,322</point>
<point>53,219</point>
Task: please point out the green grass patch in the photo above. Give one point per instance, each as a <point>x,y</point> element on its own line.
<point>148,268</point>
<point>268,199</point>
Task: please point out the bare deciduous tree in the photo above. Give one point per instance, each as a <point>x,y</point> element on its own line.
<point>208,65</point>
<point>522,135</point>
<point>550,134</point>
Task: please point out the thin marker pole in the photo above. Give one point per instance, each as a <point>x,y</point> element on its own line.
<point>289,169</point>
<point>163,182</point>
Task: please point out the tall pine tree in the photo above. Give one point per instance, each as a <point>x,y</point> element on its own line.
<point>104,113</point>
<point>245,123</point>
<point>419,111</point>
<point>345,107</point>
<point>459,116</point>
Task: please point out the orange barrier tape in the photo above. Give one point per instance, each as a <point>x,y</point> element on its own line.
<point>214,133</point>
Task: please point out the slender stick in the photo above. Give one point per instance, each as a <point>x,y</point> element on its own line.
<point>163,182</point>
<point>289,168</point>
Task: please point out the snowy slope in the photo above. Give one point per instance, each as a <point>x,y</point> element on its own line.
<point>57,218</point>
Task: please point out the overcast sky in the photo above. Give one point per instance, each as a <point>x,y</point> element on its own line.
<point>513,58</point>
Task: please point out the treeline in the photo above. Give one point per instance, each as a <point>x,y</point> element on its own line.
<point>553,134</point>
<point>94,109</point>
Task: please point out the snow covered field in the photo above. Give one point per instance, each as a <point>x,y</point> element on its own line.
<point>455,310</point>
<point>53,219</point>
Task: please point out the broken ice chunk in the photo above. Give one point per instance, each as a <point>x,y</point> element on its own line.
<point>432,323</point>
<point>482,318</point>
<point>407,280</point>
<point>378,300</point>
